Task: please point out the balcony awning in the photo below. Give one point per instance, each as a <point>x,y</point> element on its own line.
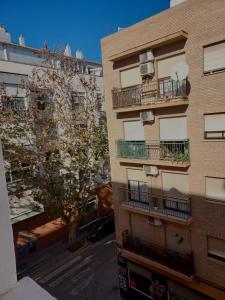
<point>166,40</point>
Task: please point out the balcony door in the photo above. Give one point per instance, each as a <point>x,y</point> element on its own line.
<point>173,138</point>
<point>138,188</point>
<point>138,191</point>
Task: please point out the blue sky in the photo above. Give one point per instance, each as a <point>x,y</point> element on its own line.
<point>80,23</point>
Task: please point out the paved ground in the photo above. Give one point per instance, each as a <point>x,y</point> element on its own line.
<point>88,274</point>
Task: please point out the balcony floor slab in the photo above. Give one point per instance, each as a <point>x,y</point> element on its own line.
<point>159,104</point>
<point>161,216</point>
<point>166,163</point>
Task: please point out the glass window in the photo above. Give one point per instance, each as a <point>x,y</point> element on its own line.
<point>138,191</point>
<point>13,104</point>
<point>215,126</point>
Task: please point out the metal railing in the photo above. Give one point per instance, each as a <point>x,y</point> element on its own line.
<point>183,263</point>
<point>149,93</point>
<point>168,205</point>
<point>154,150</point>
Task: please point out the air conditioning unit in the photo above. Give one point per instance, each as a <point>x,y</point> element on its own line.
<point>147,116</point>
<point>146,56</point>
<point>147,69</point>
<point>155,221</point>
<point>151,170</point>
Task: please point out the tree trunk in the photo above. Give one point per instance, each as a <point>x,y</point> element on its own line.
<point>72,236</point>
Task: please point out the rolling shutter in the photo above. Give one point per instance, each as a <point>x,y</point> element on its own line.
<point>134,131</point>
<point>130,77</point>
<point>215,122</point>
<point>215,188</point>
<point>165,65</point>
<point>173,129</point>
<point>214,57</point>
<point>176,185</point>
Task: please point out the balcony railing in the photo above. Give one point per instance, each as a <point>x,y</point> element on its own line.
<point>154,150</point>
<point>168,205</point>
<point>183,263</point>
<point>150,93</point>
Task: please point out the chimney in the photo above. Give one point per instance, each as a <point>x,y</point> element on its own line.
<point>175,2</point>
<point>21,40</point>
<point>67,51</point>
<point>4,35</point>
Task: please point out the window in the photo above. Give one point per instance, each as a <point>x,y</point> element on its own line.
<point>13,104</point>
<point>216,248</point>
<point>76,99</point>
<point>215,189</point>
<point>173,129</point>
<point>215,126</point>
<point>176,189</point>
<point>130,77</point>
<point>214,57</point>
<point>134,131</point>
<point>165,65</point>
<point>138,191</point>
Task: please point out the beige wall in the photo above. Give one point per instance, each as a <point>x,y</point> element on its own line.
<point>206,96</point>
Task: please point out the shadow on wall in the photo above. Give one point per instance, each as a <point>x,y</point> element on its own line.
<point>150,221</point>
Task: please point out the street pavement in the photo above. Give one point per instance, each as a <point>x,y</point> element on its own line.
<point>90,273</point>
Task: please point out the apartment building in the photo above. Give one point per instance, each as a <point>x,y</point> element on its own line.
<point>10,288</point>
<point>16,64</point>
<point>164,85</point>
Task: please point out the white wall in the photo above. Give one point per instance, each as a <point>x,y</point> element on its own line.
<point>8,278</point>
<point>175,2</point>
<point>27,289</point>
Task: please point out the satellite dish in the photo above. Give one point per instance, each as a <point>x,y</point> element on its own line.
<point>179,71</point>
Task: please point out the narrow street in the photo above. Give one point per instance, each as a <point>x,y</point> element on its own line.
<point>88,274</point>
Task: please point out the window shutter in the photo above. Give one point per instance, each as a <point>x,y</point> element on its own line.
<point>130,77</point>
<point>215,188</point>
<point>134,131</point>
<point>214,57</point>
<point>165,65</point>
<point>173,129</point>
<point>215,122</point>
<point>175,185</point>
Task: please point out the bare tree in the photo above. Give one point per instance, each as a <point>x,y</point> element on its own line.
<point>59,137</point>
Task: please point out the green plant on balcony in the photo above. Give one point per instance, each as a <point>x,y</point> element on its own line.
<point>181,157</point>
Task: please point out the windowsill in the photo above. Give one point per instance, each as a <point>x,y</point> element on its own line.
<point>215,202</point>
<point>213,72</point>
<point>213,140</point>
<point>215,260</point>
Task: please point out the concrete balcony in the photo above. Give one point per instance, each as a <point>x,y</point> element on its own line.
<point>167,207</point>
<point>154,94</point>
<point>162,257</point>
<point>154,152</point>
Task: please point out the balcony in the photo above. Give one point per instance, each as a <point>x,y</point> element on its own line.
<point>167,207</point>
<point>164,92</point>
<point>171,151</point>
<point>182,263</point>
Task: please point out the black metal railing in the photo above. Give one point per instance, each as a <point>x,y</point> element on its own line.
<point>183,263</point>
<point>169,89</point>
<point>167,205</point>
<point>154,150</point>
<point>149,93</point>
